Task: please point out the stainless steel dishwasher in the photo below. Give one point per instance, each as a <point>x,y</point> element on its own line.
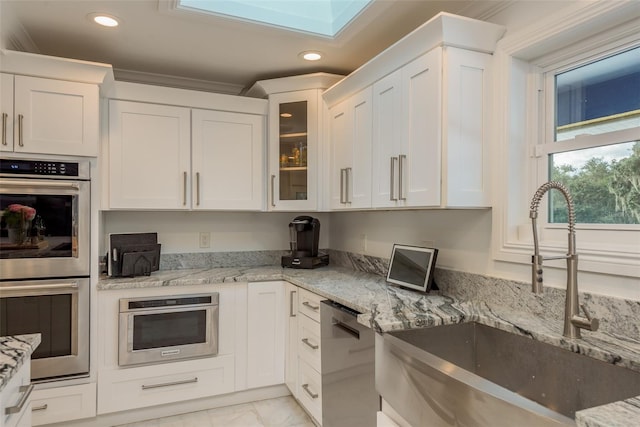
<point>349,397</point>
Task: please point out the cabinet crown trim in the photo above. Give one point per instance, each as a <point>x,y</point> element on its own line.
<point>444,29</point>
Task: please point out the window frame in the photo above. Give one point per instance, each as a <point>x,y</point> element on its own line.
<point>576,36</point>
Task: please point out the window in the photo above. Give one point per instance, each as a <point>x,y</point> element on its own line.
<point>589,147</point>
<point>568,108</point>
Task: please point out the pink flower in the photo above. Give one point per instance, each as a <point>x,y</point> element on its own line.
<point>28,212</point>
<point>15,208</point>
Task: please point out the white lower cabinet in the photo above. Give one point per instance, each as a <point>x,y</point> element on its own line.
<point>15,398</point>
<point>123,389</point>
<point>304,340</point>
<point>265,334</point>
<point>60,404</point>
<point>291,338</point>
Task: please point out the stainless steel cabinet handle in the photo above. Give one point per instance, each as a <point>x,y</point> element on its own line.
<point>189,381</point>
<point>197,188</point>
<point>26,392</point>
<point>313,346</point>
<point>20,139</point>
<point>309,392</point>
<point>402,158</point>
<point>4,128</point>
<point>347,185</point>
<point>393,179</point>
<point>292,313</point>
<point>342,186</point>
<point>184,188</point>
<point>311,306</point>
<point>273,191</point>
<point>39,408</point>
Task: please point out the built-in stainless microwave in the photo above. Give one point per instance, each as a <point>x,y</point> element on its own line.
<point>167,328</point>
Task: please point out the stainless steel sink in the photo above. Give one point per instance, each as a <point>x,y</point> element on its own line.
<point>475,375</point>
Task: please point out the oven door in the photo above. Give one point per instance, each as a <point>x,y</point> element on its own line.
<point>59,311</point>
<point>152,336</point>
<point>53,241</point>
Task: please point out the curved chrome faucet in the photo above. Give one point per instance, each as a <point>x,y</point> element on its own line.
<point>573,322</point>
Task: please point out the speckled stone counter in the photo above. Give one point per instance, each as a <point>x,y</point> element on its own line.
<point>386,308</point>
<point>14,350</point>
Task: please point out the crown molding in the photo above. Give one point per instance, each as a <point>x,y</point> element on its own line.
<point>133,76</point>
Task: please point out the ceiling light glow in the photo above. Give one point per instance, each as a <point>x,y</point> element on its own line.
<point>105,20</point>
<point>311,56</point>
<point>286,115</point>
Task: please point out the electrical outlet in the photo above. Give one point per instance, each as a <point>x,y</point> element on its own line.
<point>205,239</point>
<point>363,242</point>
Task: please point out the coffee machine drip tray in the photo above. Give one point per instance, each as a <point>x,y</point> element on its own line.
<point>305,262</point>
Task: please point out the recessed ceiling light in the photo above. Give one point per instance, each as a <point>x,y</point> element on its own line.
<point>286,115</point>
<point>311,55</point>
<point>104,19</point>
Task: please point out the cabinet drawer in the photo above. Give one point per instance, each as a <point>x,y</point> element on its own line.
<point>132,388</point>
<point>309,346</point>
<point>309,304</point>
<point>310,390</point>
<point>60,404</point>
<point>17,395</point>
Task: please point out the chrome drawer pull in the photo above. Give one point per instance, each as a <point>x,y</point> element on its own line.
<point>26,392</point>
<point>148,387</point>
<point>402,159</point>
<point>313,346</point>
<point>20,124</point>
<point>311,306</point>
<point>309,392</point>
<point>4,128</point>
<point>292,313</point>
<point>40,408</point>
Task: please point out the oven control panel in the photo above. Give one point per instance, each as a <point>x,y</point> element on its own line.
<point>38,167</point>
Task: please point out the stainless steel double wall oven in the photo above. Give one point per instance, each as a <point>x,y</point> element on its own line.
<point>45,260</point>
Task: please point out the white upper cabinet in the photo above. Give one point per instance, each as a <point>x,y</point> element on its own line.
<point>430,116</point>
<point>407,134</point>
<point>227,160</point>
<point>181,158</point>
<point>293,150</point>
<point>297,152</point>
<point>47,116</point>
<point>350,152</point>
<point>149,156</point>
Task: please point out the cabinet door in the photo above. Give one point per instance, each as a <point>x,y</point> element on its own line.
<point>6,110</point>
<point>291,337</point>
<point>149,156</point>
<point>466,153</point>
<point>227,160</point>
<point>265,334</point>
<point>351,128</point>
<point>387,134</point>
<point>419,159</point>
<point>56,117</point>
<point>293,150</point>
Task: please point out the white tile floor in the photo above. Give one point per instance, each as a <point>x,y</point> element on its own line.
<point>279,412</point>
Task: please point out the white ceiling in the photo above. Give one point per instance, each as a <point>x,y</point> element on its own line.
<point>155,40</point>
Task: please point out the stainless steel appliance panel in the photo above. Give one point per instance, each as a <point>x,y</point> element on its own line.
<point>58,237</point>
<point>163,329</point>
<point>349,397</point>
<point>59,310</point>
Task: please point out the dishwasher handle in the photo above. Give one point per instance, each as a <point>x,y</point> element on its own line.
<point>348,329</point>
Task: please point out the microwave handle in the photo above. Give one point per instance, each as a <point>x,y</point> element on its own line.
<point>40,184</point>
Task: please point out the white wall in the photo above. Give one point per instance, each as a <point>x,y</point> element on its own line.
<point>178,232</point>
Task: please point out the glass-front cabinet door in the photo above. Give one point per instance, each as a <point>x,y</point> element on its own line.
<point>293,150</point>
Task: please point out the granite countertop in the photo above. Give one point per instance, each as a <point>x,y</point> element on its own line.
<point>14,350</point>
<point>386,308</point>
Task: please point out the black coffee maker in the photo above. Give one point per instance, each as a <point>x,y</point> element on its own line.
<point>304,232</point>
